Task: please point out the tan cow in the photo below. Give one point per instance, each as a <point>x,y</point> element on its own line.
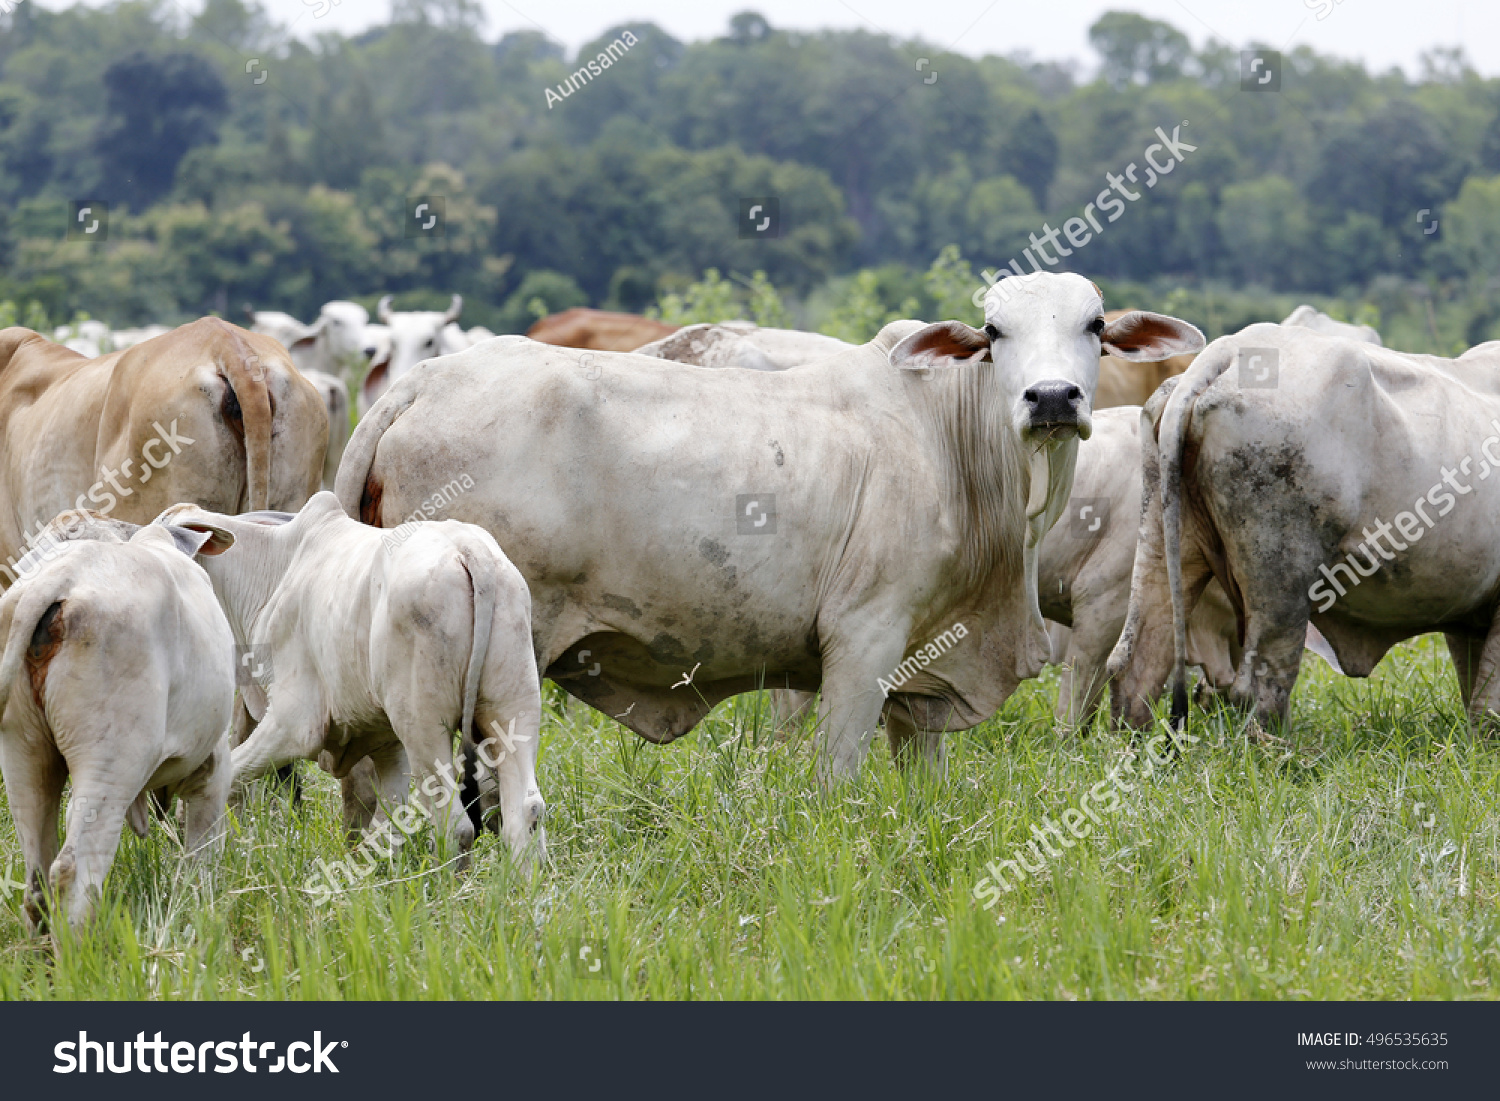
<point>1122,382</point>
<point>600,330</point>
<point>207,413</point>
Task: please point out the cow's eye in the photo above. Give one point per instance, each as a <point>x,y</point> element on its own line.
<point>1096,326</point>
<point>991,332</point>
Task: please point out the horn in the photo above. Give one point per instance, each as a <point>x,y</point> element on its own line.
<point>455,308</point>
<point>383,310</point>
<point>250,312</point>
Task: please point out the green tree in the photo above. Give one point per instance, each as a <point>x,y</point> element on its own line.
<point>158,109</point>
<point>1265,227</point>
<point>1137,50</point>
<point>1029,153</point>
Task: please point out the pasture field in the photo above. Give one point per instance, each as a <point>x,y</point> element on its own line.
<point>1360,860</point>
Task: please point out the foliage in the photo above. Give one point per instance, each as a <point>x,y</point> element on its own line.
<point>241,163</point>
<point>714,298</point>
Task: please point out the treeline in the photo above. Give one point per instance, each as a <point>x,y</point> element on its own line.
<point>239,164</point>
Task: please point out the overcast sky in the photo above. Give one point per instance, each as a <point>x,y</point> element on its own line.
<point>1382,33</point>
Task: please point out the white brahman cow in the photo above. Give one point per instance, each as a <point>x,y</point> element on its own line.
<point>1325,478</point>
<point>867,523</point>
<point>414,335</point>
<point>382,645</point>
<point>117,670</point>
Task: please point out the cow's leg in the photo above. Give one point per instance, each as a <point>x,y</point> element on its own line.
<point>1142,661</point>
<point>435,773</point>
<point>288,776</point>
<point>1465,652</point>
<point>852,699</point>
<point>1484,682</point>
<point>511,735</point>
<point>787,706</point>
<point>103,792</point>
<point>360,797</point>
<point>1084,678</point>
<point>1275,638</point>
<point>911,745</point>
<point>34,774</point>
<point>206,794</point>
<point>390,775</point>
<point>288,732</point>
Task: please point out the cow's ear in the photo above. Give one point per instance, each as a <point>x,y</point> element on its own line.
<point>373,378</point>
<point>195,537</point>
<point>945,344</point>
<point>1147,337</point>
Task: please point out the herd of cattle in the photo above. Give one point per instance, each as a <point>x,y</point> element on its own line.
<point>659,518</point>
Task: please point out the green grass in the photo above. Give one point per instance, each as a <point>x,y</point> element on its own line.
<point>714,868</point>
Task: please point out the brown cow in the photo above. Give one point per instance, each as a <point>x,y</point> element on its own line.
<point>1122,382</point>
<point>600,330</point>
<point>208,413</point>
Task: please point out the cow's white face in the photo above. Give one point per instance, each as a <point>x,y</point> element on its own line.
<point>1044,336</point>
<point>1042,339</point>
<point>343,325</point>
<point>376,341</point>
<point>415,335</point>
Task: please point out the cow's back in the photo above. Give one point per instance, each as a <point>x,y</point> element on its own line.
<point>207,413</point>
<point>600,330</point>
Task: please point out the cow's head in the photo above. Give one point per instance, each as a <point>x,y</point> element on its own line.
<point>342,325</point>
<point>1042,338</point>
<point>413,335</point>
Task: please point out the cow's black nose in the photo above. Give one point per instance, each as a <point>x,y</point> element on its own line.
<point>1053,402</point>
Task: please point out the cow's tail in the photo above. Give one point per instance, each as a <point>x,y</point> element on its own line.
<point>356,491</point>
<point>22,610</point>
<point>485,580</point>
<point>1171,434</point>
<point>247,378</point>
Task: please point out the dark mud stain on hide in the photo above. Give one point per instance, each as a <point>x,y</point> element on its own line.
<point>780,458</point>
<point>621,604</point>
<point>666,650</point>
<point>714,552</point>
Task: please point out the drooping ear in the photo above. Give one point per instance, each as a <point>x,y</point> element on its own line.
<point>945,344</point>
<point>195,537</point>
<point>1146,337</point>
